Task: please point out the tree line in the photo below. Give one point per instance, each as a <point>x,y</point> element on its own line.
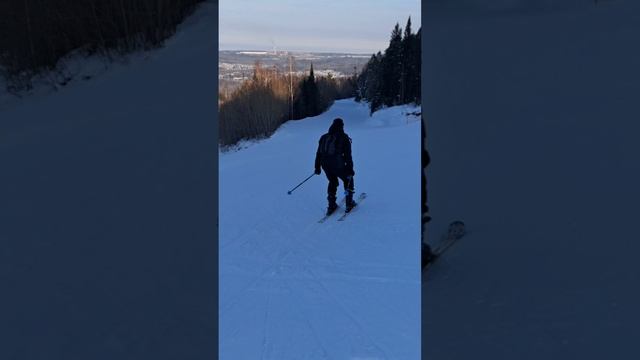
<point>271,97</point>
<point>260,105</point>
<point>393,77</point>
<point>36,34</point>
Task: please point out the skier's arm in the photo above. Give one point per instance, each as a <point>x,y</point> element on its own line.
<point>317,163</point>
<point>347,154</point>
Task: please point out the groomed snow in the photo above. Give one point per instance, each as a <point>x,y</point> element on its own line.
<point>292,288</point>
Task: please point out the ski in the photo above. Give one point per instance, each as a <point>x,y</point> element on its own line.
<point>324,218</point>
<point>455,231</point>
<point>360,198</point>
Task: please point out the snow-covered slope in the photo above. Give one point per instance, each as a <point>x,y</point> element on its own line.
<point>291,288</point>
<point>107,210</point>
<point>533,132</point>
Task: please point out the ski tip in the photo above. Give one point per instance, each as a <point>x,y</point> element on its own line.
<point>456,229</point>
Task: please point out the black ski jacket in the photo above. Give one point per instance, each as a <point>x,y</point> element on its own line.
<point>334,152</point>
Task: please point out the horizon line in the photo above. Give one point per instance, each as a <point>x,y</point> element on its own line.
<point>302,51</point>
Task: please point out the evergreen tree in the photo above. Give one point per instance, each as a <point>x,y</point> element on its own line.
<point>407,29</point>
<point>308,101</point>
<point>407,64</point>
<point>392,68</point>
<point>392,78</point>
<point>417,76</point>
<point>375,86</point>
<point>313,95</point>
<point>363,80</point>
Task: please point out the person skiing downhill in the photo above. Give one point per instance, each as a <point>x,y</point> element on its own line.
<point>334,157</point>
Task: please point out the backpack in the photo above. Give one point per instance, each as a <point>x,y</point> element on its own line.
<point>328,145</point>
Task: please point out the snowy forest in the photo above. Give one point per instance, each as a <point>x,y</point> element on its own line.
<point>38,33</point>
<point>393,77</point>
<point>271,97</point>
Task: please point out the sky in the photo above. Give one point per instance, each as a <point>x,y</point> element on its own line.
<point>354,26</point>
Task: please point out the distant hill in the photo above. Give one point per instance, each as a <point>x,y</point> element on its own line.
<point>236,65</point>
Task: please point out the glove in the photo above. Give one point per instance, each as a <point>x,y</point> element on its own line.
<point>317,172</point>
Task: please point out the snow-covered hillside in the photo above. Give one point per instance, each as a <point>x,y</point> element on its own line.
<point>107,210</point>
<point>533,132</point>
<point>292,288</point>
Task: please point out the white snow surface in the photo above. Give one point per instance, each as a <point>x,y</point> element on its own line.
<point>533,133</point>
<point>107,215</point>
<point>293,288</point>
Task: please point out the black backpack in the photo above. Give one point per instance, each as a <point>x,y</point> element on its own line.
<point>329,145</point>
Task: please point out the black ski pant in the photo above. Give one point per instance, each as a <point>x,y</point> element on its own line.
<point>332,189</point>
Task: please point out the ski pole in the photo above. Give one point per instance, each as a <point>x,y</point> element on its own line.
<point>303,181</point>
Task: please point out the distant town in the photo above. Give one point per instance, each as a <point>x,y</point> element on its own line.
<point>234,66</point>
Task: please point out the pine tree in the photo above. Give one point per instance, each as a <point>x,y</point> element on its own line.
<point>308,102</point>
<point>392,68</point>
<point>392,78</point>
<point>313,95</point>
<point>375,88</point>
<point>407,64</point>
<point>417,60</point>
<point>363,80</point>
<point>407,29</point>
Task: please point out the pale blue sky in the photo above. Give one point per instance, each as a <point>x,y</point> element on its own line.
<point>357,26</point>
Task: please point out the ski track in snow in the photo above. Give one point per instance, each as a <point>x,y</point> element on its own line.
<point>348,313</point>
<point>332,290</point>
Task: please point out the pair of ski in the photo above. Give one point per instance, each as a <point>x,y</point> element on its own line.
<point>455,231</point>
<point>360,198</point>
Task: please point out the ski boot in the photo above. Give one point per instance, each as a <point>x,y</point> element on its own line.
<point>331,208</point>
<point>350,202</point>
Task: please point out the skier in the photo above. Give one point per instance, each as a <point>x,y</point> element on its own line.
<point>334,156</point>
<point>427,254</point>
<point>425,162</point>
